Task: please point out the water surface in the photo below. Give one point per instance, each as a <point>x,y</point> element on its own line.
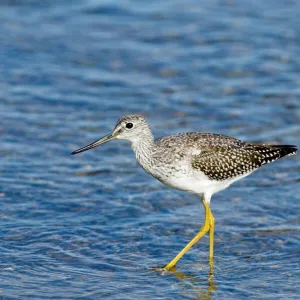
<point>93,226</point>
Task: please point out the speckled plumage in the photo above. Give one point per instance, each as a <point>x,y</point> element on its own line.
<point>203,163</point>
<point>220,158</point>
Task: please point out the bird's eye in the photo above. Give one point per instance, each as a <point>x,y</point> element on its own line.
<point>129,125</point>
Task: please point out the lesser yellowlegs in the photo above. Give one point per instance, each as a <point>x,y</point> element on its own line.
<point>201,163</point>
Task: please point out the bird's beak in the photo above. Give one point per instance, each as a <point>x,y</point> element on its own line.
<point>103,140</point>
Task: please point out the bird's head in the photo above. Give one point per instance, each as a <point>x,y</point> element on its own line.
<point>131,128</point>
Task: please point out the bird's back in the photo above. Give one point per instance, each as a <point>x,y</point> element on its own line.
<point>219,157</point>
<point>190,143</point>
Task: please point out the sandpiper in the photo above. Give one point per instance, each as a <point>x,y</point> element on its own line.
<point>197,162</point>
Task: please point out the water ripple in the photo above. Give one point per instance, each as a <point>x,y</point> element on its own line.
<point>95,225</point>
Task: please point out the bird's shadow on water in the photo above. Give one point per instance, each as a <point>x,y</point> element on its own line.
<point>201,288</point>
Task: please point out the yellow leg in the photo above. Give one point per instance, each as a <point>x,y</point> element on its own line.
<point>208,224</point>
<point>211,240</point>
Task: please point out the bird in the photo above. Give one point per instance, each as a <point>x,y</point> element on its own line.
<point>196,162</point>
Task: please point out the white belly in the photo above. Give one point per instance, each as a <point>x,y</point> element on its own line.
<point>186,179</point>
<point>199,184</point>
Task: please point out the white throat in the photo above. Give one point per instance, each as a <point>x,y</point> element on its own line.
<point>143,148</point>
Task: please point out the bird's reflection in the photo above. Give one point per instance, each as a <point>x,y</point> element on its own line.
<point>202,288</point>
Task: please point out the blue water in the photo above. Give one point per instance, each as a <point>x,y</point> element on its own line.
<point>93,226</point>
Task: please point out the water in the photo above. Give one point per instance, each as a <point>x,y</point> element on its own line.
<point>92,226</point>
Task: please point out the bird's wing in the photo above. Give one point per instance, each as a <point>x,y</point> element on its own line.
<point>225,162</point>
<point>220,162</point>
<point>193,146</point>
<point>217,156</point>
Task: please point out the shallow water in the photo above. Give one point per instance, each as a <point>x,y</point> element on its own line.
<point>93,226</point>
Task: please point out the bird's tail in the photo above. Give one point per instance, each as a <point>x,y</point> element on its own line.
<point>270,153</point>
<point>285,150</point>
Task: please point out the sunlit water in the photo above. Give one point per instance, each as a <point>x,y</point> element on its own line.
<point>93,226</point>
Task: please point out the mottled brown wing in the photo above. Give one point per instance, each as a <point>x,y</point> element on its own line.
<point>224,162</point>
<point>221,164</point>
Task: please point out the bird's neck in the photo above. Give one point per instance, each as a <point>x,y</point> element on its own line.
<point>143,148</point>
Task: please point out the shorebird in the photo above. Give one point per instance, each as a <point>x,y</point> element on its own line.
<point>196,162</point>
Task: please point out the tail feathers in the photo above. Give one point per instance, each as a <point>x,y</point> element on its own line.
<point>286,149</point>
<point>269,153</point>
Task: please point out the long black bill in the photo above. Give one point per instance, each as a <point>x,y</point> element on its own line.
<point>103,140</point>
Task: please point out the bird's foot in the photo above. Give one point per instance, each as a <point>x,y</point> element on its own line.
<point>164,270</point>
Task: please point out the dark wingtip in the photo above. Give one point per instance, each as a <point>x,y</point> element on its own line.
<point>287,149</point>
<point>286,146</point>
